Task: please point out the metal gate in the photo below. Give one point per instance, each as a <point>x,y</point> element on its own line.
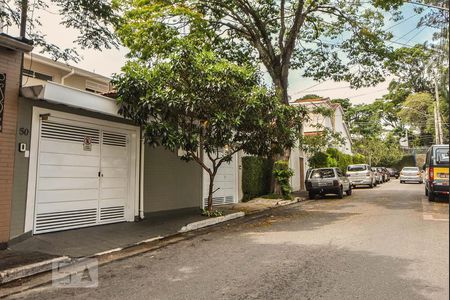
<point>82,175</point>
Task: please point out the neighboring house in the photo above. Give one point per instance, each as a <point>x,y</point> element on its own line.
<point>334,123</point>
<point>299,160</point>
<point>11,52</point>
<point>82,164</point>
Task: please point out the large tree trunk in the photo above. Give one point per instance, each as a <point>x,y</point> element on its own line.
<point>280,79</point>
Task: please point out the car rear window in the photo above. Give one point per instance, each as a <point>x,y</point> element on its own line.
<point>442,155</point>
<point>322,173</point>
<point>411,169</point>
<point>356,168</point>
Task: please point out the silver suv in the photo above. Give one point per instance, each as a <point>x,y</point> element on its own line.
<point>361,175</point>
<point>327,181</point>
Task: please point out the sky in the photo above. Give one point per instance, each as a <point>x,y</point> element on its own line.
<point>108,62</point>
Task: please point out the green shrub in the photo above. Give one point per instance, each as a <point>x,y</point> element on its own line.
<point>283,174</point>
<point>256,176</point>
<point>318,160</point>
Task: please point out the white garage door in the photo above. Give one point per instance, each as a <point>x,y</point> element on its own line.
<point>82,175</point>
<point>225,185</point>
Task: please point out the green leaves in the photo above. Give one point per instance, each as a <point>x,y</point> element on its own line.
<point>196,99</point>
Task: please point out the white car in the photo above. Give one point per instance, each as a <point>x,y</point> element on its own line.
<point>361,175</point>
<point>411,174</point>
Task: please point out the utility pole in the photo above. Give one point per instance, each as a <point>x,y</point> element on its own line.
<point>437,115</point>
<point>23,18</point>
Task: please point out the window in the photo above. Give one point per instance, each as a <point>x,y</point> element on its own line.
<point>357,168</point>
<point>37,75</point>
<point>442,155</point>
<point>411,169</point>
<point>95,87</point>
<point>322,173</point>
<point>339,173</point>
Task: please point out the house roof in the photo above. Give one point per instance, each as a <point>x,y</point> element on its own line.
<point>14,43</point>
<point>66,67</point>
<point>311,100</point>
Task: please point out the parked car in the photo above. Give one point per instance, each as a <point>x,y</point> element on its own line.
<point>436,171</point>
<point>360,174</point>
<point>378,176</point>
<point>411,174</point>
<point>393,172</point>
<point>381,172</point>
<point>386,174</point>
<point>324,181</point>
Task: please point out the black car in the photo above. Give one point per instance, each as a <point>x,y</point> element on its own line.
<point>393,172</point>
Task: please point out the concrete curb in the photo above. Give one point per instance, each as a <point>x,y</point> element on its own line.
<point>31,269</point>
<point>212,221</point>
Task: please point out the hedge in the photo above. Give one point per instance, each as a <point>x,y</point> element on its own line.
<point>334,158</point>
<point>256,176</point>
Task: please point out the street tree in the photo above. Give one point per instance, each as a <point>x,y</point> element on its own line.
<point>206,106</point>
<point>94,20</point>
<point>327,39</point>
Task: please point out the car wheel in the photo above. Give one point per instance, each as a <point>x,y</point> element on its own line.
<point>341,193</point>
<point>430,196</point>
<point>349,191</point>
<point>312,196</point>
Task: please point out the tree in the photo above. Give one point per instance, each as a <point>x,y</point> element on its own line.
<point>94,19</point>
<point>282,35</point>
<point>377,151</point>
<point>208,106</point>
<point>417,112</point>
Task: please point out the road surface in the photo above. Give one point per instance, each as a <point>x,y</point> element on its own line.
<point>381,243</point>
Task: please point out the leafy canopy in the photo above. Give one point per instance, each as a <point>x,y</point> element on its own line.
<point>201,103</point>
<point>327,39</point>
<point>94,20</point>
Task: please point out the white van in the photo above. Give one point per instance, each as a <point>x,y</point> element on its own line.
<point>361,174</point>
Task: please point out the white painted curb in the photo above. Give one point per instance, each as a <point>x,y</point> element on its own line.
<point>211,221</point>
<point>31,269</point>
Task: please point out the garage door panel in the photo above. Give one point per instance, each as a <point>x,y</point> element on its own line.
<point>114,162</point>
<point>69,160</point>
<point>115,172</point>
<point>83,176</point>
<point>68,171</point>
<point>49,208</point>
<point>113,151</point>
<point>67,183</point>
<point>66,147</point>
<point>114,182</point>
<point>108,193</point>
<point>61,196</point>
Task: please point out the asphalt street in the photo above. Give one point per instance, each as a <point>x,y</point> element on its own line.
<point>383,243</point>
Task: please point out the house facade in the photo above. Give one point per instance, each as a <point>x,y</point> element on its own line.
<point>334,122</point>
<point>82,164</point>
<point>11,53</point>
